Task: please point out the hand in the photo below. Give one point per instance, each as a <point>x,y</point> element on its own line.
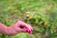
<point>20,26</point>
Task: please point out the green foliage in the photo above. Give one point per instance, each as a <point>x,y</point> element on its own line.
<point>22,35</point>
<point>41,14</point>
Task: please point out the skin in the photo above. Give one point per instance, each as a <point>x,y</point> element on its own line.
<point>16,28</point>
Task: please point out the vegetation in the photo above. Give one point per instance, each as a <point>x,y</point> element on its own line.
<point>41,14</point>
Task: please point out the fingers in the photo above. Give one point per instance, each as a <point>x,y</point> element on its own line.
<point>20,26</point>
<point>26,26</point>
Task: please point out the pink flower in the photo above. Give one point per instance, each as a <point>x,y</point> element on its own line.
<point>20,26</point>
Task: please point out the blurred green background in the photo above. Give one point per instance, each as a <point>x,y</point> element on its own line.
<point>41,14</point>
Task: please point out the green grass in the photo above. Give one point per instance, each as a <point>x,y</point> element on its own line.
<point>41,14</point>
